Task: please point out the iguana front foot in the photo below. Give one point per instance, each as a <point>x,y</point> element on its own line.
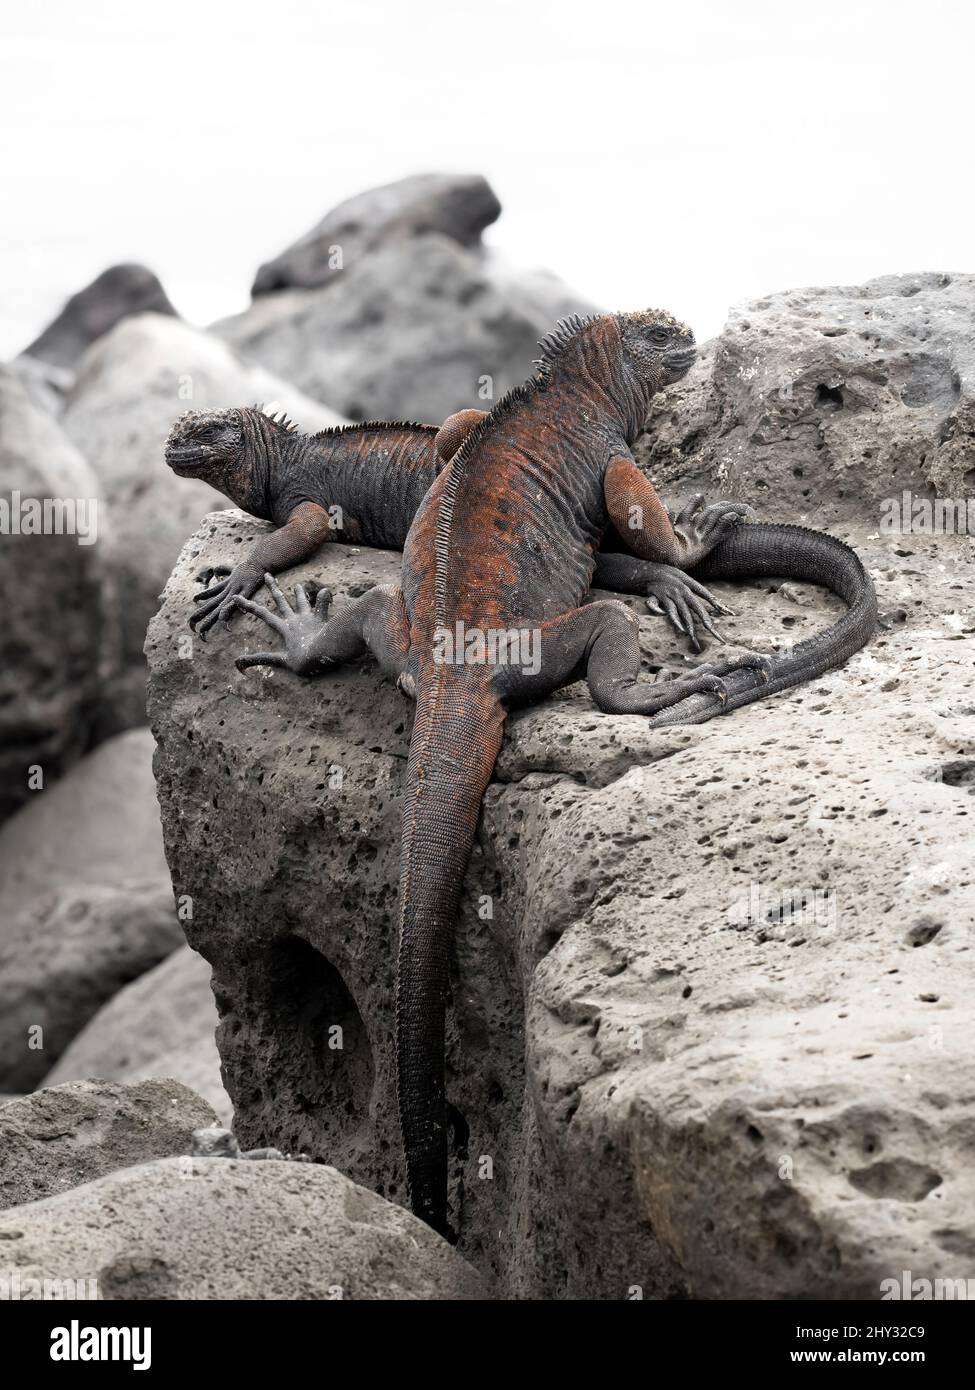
<point>300,628</point>
<point>700,528</point>
<point>217,601</point>
<point>205,575</point>
<point>651,530</point>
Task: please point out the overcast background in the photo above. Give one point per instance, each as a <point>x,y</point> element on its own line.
<point>686,154</point>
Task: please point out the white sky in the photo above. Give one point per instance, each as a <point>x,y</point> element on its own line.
<point>685,154</point>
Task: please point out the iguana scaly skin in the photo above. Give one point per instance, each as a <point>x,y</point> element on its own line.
<point>766,550</point>
<point>357,483</point>
<point>363,484</point>
<point>505,541</point>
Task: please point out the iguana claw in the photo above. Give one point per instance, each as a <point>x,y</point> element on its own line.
<point>752,661</point>
<point>699,528</point>
<point>216,601</point>
<point>298,627</point>
<point>683,601</point>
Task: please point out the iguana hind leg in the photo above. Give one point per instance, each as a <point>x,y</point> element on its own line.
<point>602,642</point>
<point>313,643</point>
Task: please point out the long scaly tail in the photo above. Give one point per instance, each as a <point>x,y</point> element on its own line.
<point>791,552</point>
<point>456,739</point>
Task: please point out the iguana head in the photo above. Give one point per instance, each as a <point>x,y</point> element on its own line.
<point>205,444</point>
<point>632,356</point>
<point>232,450</point>
<point>658,348</point>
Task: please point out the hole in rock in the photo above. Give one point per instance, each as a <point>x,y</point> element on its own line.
<point>899,1178</point>
<point>459,1132</point>
<point>322,1059</point>
<point>830,396</point>
<point>959,774</point>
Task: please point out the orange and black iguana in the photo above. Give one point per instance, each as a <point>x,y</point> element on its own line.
<point>496,567</point>
<point>364,484</point>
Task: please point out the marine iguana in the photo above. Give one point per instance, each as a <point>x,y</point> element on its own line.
<point>364,483</point>
<point>505,543</point>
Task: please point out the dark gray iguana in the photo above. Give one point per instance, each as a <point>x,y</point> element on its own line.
<point>505,543</point>
<point>364,484</point>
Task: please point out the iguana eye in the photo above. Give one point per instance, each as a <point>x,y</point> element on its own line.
<point>658,335</point>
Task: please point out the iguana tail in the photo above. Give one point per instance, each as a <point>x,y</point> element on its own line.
<point>790,552</point>
<point>456,739</point>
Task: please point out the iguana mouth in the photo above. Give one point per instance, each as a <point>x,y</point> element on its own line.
<point>186,460</point>
<point>682,358</point>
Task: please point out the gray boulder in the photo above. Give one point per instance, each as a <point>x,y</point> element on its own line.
<point>64,1136</point>
<point>209,1228</point>
<point>197,1065</point>
<point>162,1024</point>
<point>420,328</point>
<point>131,386</point>
<point>64,956</point>
<point>46,386</point>
<point>710,986</point>
<point>116,294</point>
<point>88,903</point>
<point>57,636</point>
<point>823,402</point>
<point>455,205</point>
<point>98,825</point>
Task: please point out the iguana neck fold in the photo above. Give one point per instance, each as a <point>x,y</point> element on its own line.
<point>266,445</point>
<point>592,364</point>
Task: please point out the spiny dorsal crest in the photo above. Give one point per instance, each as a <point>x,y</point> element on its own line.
<point>277,416</point>
<point>555,343</point>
